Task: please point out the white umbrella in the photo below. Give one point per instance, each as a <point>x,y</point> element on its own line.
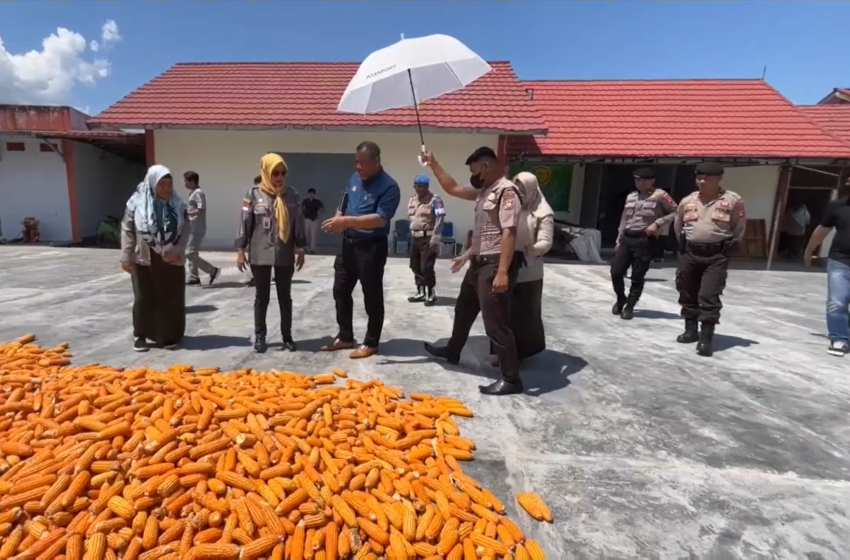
<point>409,72</point>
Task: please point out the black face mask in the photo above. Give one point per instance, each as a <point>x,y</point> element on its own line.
<point>477,181</point>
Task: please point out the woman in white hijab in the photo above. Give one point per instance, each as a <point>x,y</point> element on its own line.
<point>534,238</point>
<point>154,233</point>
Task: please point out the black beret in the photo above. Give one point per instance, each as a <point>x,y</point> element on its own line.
<point>644,173</point>
<point>481,153</point>
<point>710,168</point>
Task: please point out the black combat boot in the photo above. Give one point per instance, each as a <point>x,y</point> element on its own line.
<point>618,307</point>
<point>430,297</point>
<point>443,353</point>
<point>629,309</point>
<point>691,334</point>
<point>419,297</point>
<point>289,344</point>
<point>260,343</point>
<point>706,340</point>
<point>501,388</point>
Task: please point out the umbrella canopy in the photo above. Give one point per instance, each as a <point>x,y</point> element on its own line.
<point>411,71</point>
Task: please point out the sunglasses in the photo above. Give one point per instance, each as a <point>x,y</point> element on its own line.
<point>278,173</point>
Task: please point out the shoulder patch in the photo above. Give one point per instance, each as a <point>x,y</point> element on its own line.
<point>508,199</point>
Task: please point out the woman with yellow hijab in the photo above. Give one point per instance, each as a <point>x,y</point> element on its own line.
<point>272,231</point>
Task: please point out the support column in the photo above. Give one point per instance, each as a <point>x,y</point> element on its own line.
<point>150,148</point>
<point>782,187</point>
<point>70,174</point>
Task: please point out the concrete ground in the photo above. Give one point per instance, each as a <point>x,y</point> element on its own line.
<point>641,448</point>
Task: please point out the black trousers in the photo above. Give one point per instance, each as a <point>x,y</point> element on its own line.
<point>159,302</point>
<point>361,260</point>
<point>637,253</point>
<point>476,296</point>
<point>700,279</point>
<point>422,259</point>
<point>283,285</point>
<point>527,319</point>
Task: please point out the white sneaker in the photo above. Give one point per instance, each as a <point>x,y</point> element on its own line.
<point>838,348</point>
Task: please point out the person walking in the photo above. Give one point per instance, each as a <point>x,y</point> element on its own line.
<point>647,211</point>
<point>154,233</point>
<point>272,230</point>
<point>709,222</point>
<point>427,214</point>
<point>798,226</point>
<point>369,204</point>
<point>312,207</point>
<point>835,217</point>
<point>198,224</point>
<point>494,262</point>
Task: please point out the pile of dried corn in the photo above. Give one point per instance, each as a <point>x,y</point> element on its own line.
<point>99,462</point>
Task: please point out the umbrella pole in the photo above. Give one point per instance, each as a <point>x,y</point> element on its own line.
<point>416,108</point>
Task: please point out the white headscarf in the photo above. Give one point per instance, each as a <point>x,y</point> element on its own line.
<point>535,202</point>
<point>158,222</point>
<point>534,209</point>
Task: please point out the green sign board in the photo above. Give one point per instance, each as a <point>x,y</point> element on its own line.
<point>555,182</point>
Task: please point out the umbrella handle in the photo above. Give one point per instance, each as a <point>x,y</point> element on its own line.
<point>419,157</point>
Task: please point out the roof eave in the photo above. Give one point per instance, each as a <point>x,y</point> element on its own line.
<point>113,125</point>
<point>671,159</point>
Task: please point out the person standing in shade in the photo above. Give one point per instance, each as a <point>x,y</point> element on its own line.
<point>647,211</point>
<point>273,228</point>
<point>837,217</point>
<point>312,207</point>
<point>369,204</point>
<point>427,213</point>
<point>708,224</point>
<point>198,223</point>
<point>494,262</point>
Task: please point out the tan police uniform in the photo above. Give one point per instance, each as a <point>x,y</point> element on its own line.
<point>707,230</point>
<point>635,248</point>
<point>426,223</point>
<point>496,208</point>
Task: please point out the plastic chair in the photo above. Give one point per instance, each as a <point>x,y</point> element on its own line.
<point>447,237</point>
<point>401,234</point>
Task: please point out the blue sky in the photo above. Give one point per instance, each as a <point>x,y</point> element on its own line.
<point>803,43</point>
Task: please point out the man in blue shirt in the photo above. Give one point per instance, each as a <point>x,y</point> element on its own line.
<point>364,218</point>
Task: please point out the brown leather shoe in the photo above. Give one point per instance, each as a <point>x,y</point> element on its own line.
<point>337,345</point>
<point>363,352</point>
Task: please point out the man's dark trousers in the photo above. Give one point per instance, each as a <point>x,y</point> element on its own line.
<point>476,295</point>
<point>636,251</point>
<point>363,260</point>
<point>700,279</point>
<point>422,259</point>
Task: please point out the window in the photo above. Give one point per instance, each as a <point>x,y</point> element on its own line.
<point>15,147</point>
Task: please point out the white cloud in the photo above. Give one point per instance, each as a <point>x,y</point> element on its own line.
<point>109,32</point>
<point>48,76</point>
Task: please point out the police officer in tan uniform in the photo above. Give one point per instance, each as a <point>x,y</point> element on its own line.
<point>708,224</point>
<point>647,211</point>
<point>493,268</point>
<point>426,213</point>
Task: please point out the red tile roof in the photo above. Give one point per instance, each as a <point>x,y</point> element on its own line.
<point>834,118</point>
<point>296,94</point>
<point>673,118</point>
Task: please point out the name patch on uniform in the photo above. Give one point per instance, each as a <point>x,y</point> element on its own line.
<point>691,216</point>
<point>691,206</point>
<point>724,204</point>
<point>721,216</point>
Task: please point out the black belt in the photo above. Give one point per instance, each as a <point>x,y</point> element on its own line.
<point>482,260</point>
<point>422,233</point>
<point>635,233</point>
<point>706,249</point>
<point>359,240</point>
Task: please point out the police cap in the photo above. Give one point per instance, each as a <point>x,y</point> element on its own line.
<point>481,153</point>
<point>710,169</point>
<point>422,180</point>
<point>644,173</point>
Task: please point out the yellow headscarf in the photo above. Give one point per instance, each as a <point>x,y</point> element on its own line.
<point>281,212</point>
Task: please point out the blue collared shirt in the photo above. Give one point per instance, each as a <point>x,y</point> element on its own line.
<point>377,195</point>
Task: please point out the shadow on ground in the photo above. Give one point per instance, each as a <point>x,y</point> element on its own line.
<point>653,314</point>
<point>726,342</point>
<point>544,373</point>
<point>206,308</point>
<point>213,342</point>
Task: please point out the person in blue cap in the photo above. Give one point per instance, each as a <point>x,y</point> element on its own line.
<point>427,213</point>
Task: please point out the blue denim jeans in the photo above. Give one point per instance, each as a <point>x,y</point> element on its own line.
<point>837,300</point>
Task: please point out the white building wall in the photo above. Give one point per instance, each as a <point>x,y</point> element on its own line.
<point>758,187</point>
<point>33,183</point>
<point>104,182</point>
<point>227,162</point>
